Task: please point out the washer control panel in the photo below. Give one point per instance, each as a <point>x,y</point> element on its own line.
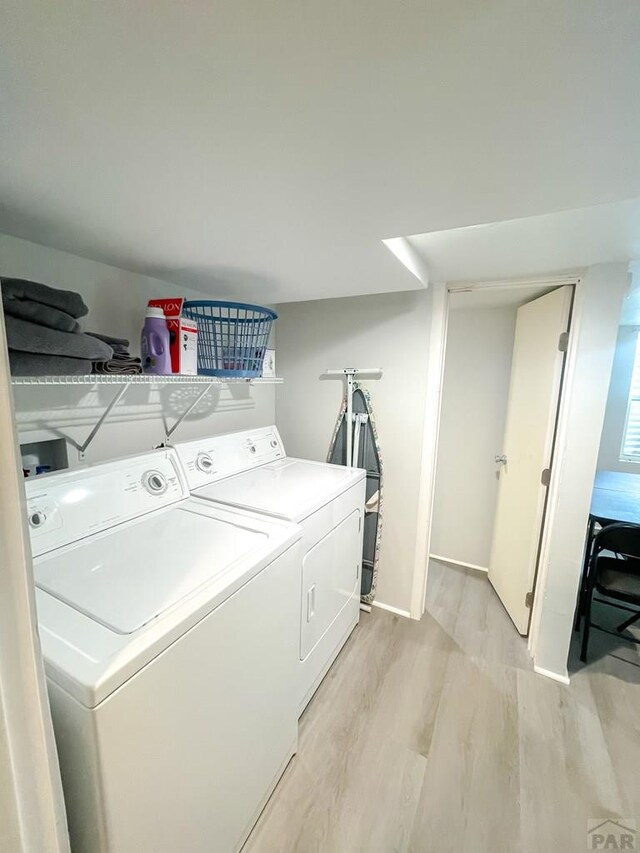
<point>67,506</point>
<point>43,515</point>
<point>37,518</point>
<point>204,463</point>
<point>155,482</point>
<point>208,460</point>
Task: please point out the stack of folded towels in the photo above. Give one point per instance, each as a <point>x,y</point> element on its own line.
<point>122,362</point>
<point>43,332</point>
<point>45,337</point>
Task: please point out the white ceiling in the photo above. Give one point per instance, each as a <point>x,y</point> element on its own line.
<point>264,150</point>
<point>536,245</point>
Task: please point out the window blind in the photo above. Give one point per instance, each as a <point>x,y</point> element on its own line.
<point>631,441</point>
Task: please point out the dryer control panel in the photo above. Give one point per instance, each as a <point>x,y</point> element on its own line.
<point>65,507</point>
<point>210,459</point>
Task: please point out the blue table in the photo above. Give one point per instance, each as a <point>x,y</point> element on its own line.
<point>616,497</point>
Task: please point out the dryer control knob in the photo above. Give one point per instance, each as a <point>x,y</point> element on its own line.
<point>37,518</point>
<point>204,463</point>
<point>154,482</point>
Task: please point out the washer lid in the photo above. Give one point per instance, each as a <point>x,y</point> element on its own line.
<point>125,577</point>
<point>288,488</point>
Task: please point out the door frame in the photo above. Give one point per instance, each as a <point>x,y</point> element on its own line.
<point>432,411</point>
<point>430,433</point>
<point>32,815</point>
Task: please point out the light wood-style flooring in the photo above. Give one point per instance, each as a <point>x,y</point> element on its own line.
<point>438,736</point>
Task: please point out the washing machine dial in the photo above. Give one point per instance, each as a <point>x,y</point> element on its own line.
<point>204,463</point>
<point>37,518</point>
<point>154,482</point>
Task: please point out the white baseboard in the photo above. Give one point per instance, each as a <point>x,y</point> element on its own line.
<point>458,563</point>
<point>563,679</point>
<point>391,609</point>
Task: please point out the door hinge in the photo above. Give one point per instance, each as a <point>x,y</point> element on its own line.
<point>563,342</point>
<point>545,477</point>
<point>528,600</point>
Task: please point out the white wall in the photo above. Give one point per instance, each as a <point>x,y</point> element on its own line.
<point>616,411</point>
<point>390,331</point>
<point>474,405</point>
<point>595,327</point>
<point>116,301</point>
<point>116,298</point>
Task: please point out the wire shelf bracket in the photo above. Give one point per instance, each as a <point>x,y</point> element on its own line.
<point>168,431</point>
<point>103,417</point>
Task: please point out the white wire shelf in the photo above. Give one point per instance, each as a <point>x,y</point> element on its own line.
<point>142,379</point>
<point>122,382</point>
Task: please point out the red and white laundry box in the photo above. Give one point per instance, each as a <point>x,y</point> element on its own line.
<point>183,345</point>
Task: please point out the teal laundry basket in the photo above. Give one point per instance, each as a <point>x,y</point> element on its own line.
<point>232,337</point>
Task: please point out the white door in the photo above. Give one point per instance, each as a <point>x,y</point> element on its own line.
<point>534,391</point>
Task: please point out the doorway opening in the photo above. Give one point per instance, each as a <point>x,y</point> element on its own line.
<point>503,369</point>
<point>613,642</point>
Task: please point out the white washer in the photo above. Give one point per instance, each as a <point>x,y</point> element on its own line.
<point>250,469</point>
<point>172,685</point>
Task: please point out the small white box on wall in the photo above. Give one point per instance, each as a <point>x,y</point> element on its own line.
<point>269,363</point>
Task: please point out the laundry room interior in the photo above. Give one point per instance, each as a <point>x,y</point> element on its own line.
<point>320,427</point>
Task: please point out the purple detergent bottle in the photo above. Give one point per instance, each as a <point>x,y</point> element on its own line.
<point>154,343</point>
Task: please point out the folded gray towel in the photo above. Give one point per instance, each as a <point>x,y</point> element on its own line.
<point>120,344</point>
<point>36,312</point>
<point>29,337</point>
<point>121,356</point>
<point>64,300</point>
<point>118,366</point>
<point>35,364</point>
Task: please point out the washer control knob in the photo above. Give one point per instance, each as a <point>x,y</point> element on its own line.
<point>274,443</point>
<point>154,482</point>
<point>37,518</point>
<point>204,463</point>
<point>252,448</point>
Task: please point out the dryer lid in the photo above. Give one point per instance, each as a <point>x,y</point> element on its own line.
<point>288,488</point>
<point>125,577</point>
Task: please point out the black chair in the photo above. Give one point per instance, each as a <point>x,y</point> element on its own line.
<point>582,593</point>
<point>617,577</point>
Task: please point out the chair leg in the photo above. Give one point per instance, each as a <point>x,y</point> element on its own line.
<point>585,571</point>
<point>587,625</point>
<point>628,622</point>
<point>578,617</point>
<point>579,606</point>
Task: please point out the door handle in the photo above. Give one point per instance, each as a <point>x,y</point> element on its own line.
<point>311,602</point>
<point>501,459</point>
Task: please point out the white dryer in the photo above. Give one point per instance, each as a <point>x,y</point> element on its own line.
<point>172,685</point>
<point>251,470</point>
